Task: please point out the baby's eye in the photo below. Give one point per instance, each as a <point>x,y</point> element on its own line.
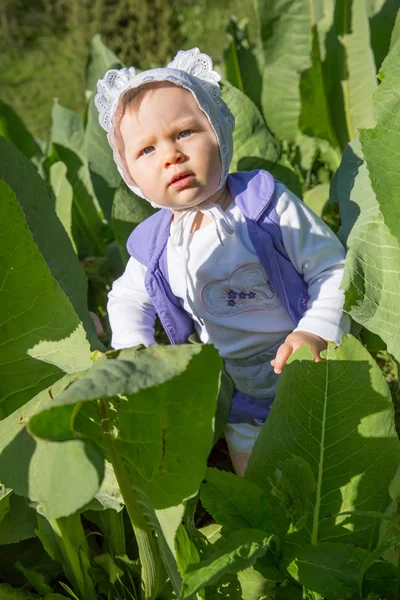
<point>186,133</point>
<point>148,150</point>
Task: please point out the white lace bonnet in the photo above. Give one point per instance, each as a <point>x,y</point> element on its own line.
<point>190,69</point>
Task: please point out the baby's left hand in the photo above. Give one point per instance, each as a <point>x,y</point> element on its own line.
<point>296,340</point>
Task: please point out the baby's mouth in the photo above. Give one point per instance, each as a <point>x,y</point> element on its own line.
<point>181,179</point>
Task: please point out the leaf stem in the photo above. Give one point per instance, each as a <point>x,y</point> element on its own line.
<point>153,573</point>
<point>76,562</point>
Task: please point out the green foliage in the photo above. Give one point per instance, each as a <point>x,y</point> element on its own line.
<point>318,406</point>
<point>373,253</point>
<point>105,464</point>
<point>379,145</point>
<point>241,67</point>
<point>43,315</point>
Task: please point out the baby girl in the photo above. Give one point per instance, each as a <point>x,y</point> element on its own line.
<point>236,258</point>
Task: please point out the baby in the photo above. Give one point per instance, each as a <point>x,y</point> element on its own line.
<point>236,258</point>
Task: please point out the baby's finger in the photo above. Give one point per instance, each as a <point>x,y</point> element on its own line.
<point>283,353</point>
<point>316,350</point>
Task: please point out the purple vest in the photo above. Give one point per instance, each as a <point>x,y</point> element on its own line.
<point>253,192</point>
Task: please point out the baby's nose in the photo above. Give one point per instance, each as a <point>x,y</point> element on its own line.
<point>173,157</point>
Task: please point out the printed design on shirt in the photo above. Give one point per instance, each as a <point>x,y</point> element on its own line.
<point>246,289</point>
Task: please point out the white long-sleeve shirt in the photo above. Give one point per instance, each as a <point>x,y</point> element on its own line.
<point>223,285</point>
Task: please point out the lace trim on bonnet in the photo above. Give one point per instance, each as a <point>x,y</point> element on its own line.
<point>190,69</point>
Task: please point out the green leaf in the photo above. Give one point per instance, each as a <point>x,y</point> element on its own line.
<point>294,485</point>
<point>312,122</point>
<point>7,592</point>
<point>379,145</point>
<point>382,23</point>
<point>40,323</point>
<point>100,60</point>
<point>361,82</point>
<point>251,138</point>
<point>5,494</point>
<point>86,224</point>
<point>186,552</point>
<point>65,541</point>
<point>63,197</point>
<point>69,139</point>
<point>338,416</point>
<point>234,502</point>
<point>128,210</point>
<point>32,555</point>
<point>333,570</point>
<point>62,477</point>
<point>67,129</point>
<point>317,197</point>
<point>253,584</point>
<point>285,28</point>
<point>165,455</point>
<point>152,441</point>
<point>212,532</point>
<point>383,547</point>
<point>241,65</point>
<point>35,578</point>
<point>14,130</point>
<point>395,33</point>
<point>48,233</point>
<point>349,69</point>
<point>373,253</point>
<point>239,552</point>
<point>103,170</point>
<point>109,495</point>
<point>19,523</point>
<point>107,562</point>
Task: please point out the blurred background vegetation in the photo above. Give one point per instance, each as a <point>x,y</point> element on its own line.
<point>44,44</point>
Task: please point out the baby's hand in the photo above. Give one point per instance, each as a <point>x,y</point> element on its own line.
<point>294,341</point>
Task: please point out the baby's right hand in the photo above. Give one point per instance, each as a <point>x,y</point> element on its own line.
<point>296,340</point>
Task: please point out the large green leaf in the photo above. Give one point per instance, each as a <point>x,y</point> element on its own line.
<point>234,502</point>
<point>86,224</point>
<point>68,138</point>
<point>48,233</point>
<point>61,476</point>
<point>382,17</point>
<point>103,170</point>
<point>19,523</point>
<point>63,194</point>
<point>7,592</point>
<point>165,391</point>
<point>100,60</point>
<point>333,570</point>
<point>361,83</point>
<point>67,129</point>
<point>371,283</point>
<point>39,321</point>
<point>338,416</point>
<point>312,122</point>
<point>349,68</point>
<point>380,145</point>
<point>251,138</point>
<point>128,211</point>
<point>285,29</point>
<point>241,65</point>
<point>162,392</point>
<point>14,129</point>
<point>240,551</point>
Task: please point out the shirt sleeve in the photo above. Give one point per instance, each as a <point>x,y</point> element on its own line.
<point>318,255</point>
<point>130,310</point>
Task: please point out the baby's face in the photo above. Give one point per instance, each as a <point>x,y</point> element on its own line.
<point>170,149</point>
